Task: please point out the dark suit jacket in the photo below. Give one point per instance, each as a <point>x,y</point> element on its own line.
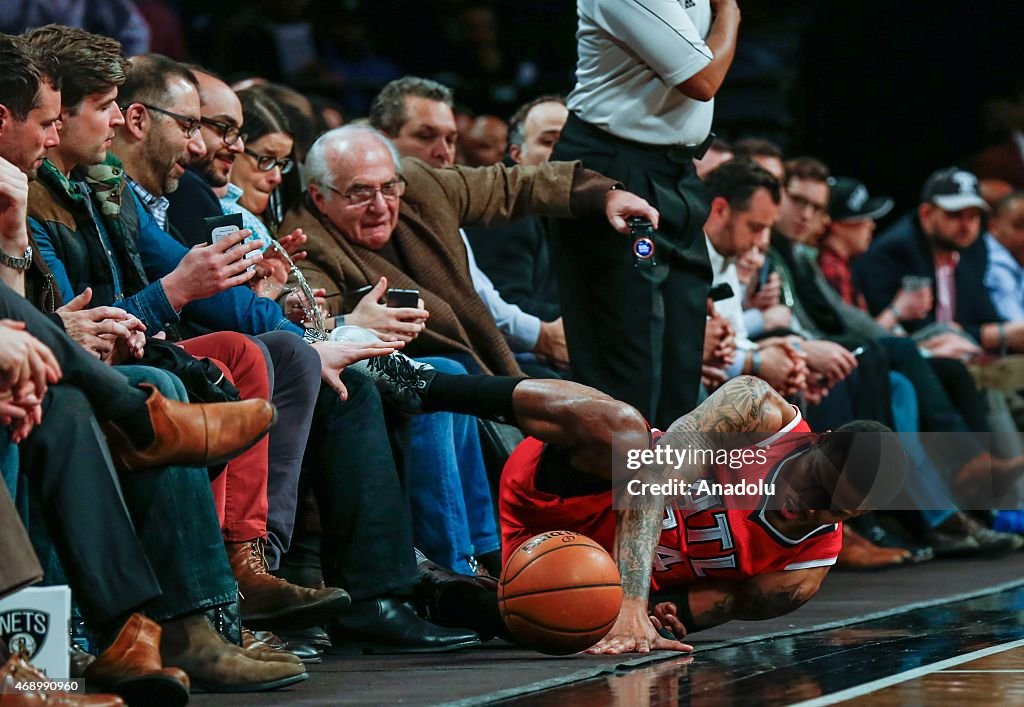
<point>879,274</point>
<point>191,202</point>
<point>515,256</point>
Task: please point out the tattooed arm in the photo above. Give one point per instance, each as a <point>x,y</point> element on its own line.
<point>712,603</point>
<point>740,411</point>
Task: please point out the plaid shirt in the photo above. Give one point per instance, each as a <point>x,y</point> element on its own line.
<point>837,272</point>
<point>155,205</point>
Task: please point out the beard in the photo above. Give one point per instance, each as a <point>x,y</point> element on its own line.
<point>205,167</point>
<point>947,245</point>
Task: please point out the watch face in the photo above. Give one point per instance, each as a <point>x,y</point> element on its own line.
<point>643,248</point>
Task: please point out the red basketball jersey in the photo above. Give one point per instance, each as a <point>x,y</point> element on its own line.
<point>701,538</point>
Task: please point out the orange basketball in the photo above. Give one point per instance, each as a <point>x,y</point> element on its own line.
<point>560,592</point>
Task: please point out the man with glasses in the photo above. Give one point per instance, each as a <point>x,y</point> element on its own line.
<point>353,475</point>
<point>139,249</point>
<point>369,214</point>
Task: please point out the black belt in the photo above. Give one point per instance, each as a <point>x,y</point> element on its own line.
<point>675,153</point>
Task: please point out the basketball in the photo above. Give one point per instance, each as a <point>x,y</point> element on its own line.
<point>560,593</point>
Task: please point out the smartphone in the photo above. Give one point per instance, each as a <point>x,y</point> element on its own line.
<point>721,291</point>
<point>764,273</point>
<point>221,227</point>
<point>403,298</point>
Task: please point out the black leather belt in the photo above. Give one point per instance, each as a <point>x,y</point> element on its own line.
<point>675,153</point>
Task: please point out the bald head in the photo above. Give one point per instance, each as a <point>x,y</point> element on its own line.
<point>485,142</point>
<point>346,148</point>
<point>218,104</point>
<point>354,181</point>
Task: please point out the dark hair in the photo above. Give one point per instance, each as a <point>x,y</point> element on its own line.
<point>149,78</point>
<point>720,145</point>
<point>810,168</point>
<point>293,105</point>
<point>387,112</point>
<point>756,147</point>
<point>262,116</point>
<point>871,459</point>
<point>25,67</point>
<point>516,124</point>
<point>1006,202</point>
<point>737,180</point>
<point>88,63</point>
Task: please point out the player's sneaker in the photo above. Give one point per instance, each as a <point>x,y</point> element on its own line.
<point>400,380</point>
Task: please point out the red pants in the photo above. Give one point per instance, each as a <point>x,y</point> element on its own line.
<point>240,492</point>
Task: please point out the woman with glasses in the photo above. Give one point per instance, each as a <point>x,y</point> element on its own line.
<point>261,167</point>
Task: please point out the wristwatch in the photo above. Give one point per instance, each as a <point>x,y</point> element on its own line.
<point>22,263</point>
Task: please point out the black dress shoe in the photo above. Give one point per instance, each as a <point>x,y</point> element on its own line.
<point>389,625</point>
<point>303,651</point>
<point>456,600</point>
<point>314,636</point>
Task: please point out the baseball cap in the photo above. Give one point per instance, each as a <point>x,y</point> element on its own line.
<point>953,189</point>
<point>849,201</point>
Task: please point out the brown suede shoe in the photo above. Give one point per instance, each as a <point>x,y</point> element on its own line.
<point>214,665</point>
<point>132,667</point>
<point>18,670</point>
<point>858,553</point>
<point>201,434</point>
<point>266,599</point>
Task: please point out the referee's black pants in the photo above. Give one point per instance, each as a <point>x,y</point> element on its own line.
<point>636,333</point>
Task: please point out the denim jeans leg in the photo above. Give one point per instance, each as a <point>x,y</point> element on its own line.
<point>434,483</point>
<point>174,517</point>
<point>476,487</point>
<point>924,489</point>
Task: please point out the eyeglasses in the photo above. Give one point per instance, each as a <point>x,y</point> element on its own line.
<point>190,126</point>
<point>805,203</point>
<point>363,194</point>
<point>265,163</point>
<point>229,132</point>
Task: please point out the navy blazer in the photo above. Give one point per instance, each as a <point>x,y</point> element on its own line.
<point>879,274</point>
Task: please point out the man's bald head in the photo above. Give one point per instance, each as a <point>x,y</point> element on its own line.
<point>354,181</point>
<point>485,142</point>
<point>222,120</point>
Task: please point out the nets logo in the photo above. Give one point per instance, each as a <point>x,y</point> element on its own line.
<point>24,631</point>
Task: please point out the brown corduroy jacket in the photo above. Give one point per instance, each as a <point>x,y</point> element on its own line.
<point>436,203</point>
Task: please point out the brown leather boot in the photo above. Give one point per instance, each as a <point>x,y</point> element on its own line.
<point>131,667</point>
<point>18,670</point>
<point>859,553</point>
<point>266,599</point>
<point>214,665</point>
<point>201,434</point>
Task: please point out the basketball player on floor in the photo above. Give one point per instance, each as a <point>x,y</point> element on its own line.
<point>707,562</point>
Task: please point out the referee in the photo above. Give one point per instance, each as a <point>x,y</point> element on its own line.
<point>641,110</point>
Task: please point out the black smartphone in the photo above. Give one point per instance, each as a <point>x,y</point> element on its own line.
<point>221,227</point>
<point>764,273</point>
<point>403,298</point>
<point>721,291</point>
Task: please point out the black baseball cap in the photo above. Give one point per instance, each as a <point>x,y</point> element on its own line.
<point>849,201</point>
<point>953,189</point>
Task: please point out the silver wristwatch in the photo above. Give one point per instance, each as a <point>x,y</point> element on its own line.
<point>22,263</point>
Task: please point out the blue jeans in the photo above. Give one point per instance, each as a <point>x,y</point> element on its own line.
<point>449,493</point>
<point>925,489</point>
